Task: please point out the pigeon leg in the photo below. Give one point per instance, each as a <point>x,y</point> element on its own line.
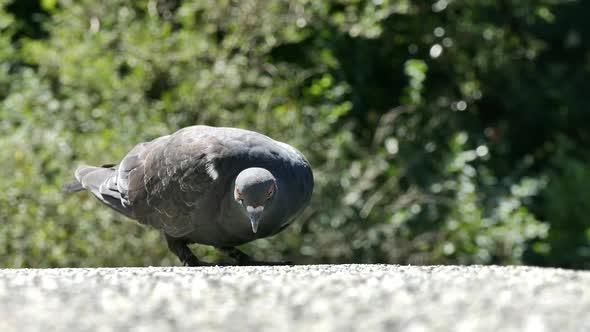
<point>243,259</point>
<point>182,251</point>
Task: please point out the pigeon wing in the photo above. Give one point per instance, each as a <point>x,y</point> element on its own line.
<point>169,180</point>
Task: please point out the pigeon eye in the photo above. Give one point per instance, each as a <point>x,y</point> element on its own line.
<point>270,191</point>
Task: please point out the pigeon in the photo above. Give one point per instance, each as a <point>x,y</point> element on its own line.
<point>214,186</point>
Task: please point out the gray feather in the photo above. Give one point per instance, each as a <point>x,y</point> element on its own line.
<point>101,183</point>
<point>72,187</point>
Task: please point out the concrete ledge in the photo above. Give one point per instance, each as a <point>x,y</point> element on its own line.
<point>308,298</point>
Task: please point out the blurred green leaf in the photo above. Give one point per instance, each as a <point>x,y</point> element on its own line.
<point>443,132</point>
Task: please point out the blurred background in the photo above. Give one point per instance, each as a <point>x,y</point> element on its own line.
<point>441,132</point>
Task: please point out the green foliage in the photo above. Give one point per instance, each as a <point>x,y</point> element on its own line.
<point>433,127</point>
<point>565,206</point>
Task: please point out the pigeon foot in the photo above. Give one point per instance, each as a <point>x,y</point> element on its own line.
<point>245,260</point>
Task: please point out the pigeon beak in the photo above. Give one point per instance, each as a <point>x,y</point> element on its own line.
<point>255,215</point>
<point>254,223</point>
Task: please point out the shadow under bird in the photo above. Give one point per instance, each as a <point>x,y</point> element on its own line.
<point>214,186</point>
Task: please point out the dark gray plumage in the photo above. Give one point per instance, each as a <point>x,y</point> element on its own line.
<point>216,186</point>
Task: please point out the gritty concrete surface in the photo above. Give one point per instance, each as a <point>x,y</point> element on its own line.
<point>297,298</point>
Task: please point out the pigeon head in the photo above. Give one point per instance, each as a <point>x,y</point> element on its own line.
<point>254,190</point>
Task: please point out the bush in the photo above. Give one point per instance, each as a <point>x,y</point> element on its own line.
<point>425,124</point>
